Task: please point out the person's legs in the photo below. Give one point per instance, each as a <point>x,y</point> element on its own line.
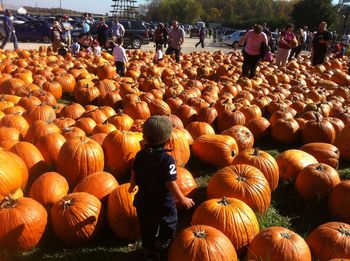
<point>298,51</point>
<point>318,58</point>
<point>202,43</point>
<point>285,54</point>
<point>15,41</point>
<point>169,50</point>
<point>279,57</point>
<point>120,68</point>
<point>253,65</point>
<point>198,43</point>
<point>292,53</point>
<point>245,66</point>
<point>6,40</point>
<point>149,230</point>
<point>177,55</point>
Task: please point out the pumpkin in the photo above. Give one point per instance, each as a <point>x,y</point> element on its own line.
<point>338,201</point>
<point>319,130</point>
<point>197,129</point>
<point>291,162</point>
<point>342,143</point>
<point>121,213</point>
<point>16,121</point>
<point>201,243</point>
<point>120,148</point>
<point>75,219</point>
<point>121,121</point>
<point>324,153</point>
<point>278,244</point>
<point>73,111</point>
<point>330,240</point>
<point>316,181</point>
<point>99,184</point>
<point>242,135</point>
<point>230,216</point>
<point>243,182</point>
<point>79,157</point>
<point>185,181</point>
<point>49,146</point>
<point>22,225</point>
<point>216,149</point>
<point>179,147</point>
<point>49,188</point>
<point>259,126</point>
<point>13,173</point>
<point>40,128</point>
<point>285,130</point>
<point>262,161</point>
<point>9,133</point>
<point>42,112</point>
<point>227,119</point>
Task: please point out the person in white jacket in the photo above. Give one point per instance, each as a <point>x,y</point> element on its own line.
<point>118,29</point>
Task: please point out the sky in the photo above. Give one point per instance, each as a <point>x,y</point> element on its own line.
<point>91,6</point>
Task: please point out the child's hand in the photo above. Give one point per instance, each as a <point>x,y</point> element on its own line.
<point>187,203</point>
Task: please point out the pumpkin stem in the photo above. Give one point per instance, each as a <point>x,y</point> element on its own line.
<point>200,234</point>
<point>67,203</point>
<point>320,167</point>
<point>233,153</point>
<point>256,152</point>
<point>285,235</point>
<point>8,202</point>
<point>344,231</point>
<point>240,178</point>
<point>224,201</point>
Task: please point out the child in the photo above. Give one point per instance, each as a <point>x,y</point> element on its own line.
<point>63,50</point>
<point>97,48</point>
<point>154,172</point>
<point>120,57</point>
<point>75,48</point>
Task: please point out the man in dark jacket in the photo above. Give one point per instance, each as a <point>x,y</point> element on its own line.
<point>10,33</point>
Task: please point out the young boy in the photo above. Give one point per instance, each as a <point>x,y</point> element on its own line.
<point>120,57</point>
<point>154,172</point>
<point>75,48</point>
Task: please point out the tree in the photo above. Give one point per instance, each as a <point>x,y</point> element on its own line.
<point>312,12</point>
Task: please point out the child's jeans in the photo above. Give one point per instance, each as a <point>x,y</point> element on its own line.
<point>165,220</point>
<point>120,68</point>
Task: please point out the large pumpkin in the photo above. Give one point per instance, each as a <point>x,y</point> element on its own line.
<point>291,162</point>
<point>75,218</point>
<point>198,128</point>
<point>120,148</point>
<point>261,160</point>
<point>203,243</point>
<point>342,142</point>
<point>121,213</point>
<point>49,146</point>
<point>316,181</point>
<point>99,184</point>
<point>323,152</point>
<point>185,181</point>
<point>22,225</point>
<point>218,150</point>
<point>179,146</point>
<point>278,244</point>
<point>243,182</point>
<point>338,202</point>
<point>242,135</point>
<point>232,217</point>
<point>79,157</point>
<point>49,188</point>
<point>330,240</point>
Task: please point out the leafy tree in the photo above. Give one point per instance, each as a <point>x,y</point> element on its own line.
<point>312,12</point>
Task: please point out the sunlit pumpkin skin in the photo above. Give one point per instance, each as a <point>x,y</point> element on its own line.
<point>16,121</point>
<point>319,130</point>
<point>40,128</point>
<point>49,188</point>
<point>323,152</point>
<point>261,160</point>
<point>198,128</point>
<point>22,225</point>
<point>291,162</point>
<point>79,157</point>
<point>201,243</point>
<point>278,244</point>
<point>338,201</point>
<point>121,213</point>
<point>342,143</point>
<point>216,149</point>
<point>179,147</point>
<point>49,146</point>
<point>259,126</point>
<point>232,217</point>
<point>99,184</point>
<point>120,148</point>
<point>330,240</point>
<point>316,181</point>
<point>185,181</point>
<point>242,135</point>
<point>243,182</point>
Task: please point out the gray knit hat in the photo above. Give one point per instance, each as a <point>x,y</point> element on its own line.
<point>157,130</point>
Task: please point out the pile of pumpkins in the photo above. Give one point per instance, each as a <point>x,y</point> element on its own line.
<point>70,128</point>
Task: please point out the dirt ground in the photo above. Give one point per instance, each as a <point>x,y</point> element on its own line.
<point>188,46</point>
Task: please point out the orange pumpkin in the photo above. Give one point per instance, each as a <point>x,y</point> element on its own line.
<point>338,202</point>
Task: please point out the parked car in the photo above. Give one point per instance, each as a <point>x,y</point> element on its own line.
<point>2,30</point>
<point>233,38</point>
<point>34,31</point>
<point>194,32</point>
<point>224,32</point>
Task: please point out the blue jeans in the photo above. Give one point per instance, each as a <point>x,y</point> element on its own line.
<point>13,37</point>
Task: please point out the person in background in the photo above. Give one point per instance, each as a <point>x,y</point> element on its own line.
<point>320,44</point>
<point>297,50</point>
<point>286,42</point>
<point>86,25</point>
<point>75,47</point>
<point>118,29</point>
<point>102,32</point>
<point>154,172</point>
<point>160,36</point>
<point>210,32</point>
<point>201,37</point>
<point>96,48</point>
<point>10,32</point>
<point>176,39</point>
<point>66,28</point>
<point>63,50</point>
<point>254,40</point>
<point>86,41</point>
<point>56,35</point>
<point>120,57</point>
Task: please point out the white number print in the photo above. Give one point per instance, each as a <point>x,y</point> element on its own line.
<point>172,168</point>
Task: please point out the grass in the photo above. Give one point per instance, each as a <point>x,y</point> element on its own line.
<point>286,210</point>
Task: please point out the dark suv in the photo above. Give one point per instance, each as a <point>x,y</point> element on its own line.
<point>136,33</point>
